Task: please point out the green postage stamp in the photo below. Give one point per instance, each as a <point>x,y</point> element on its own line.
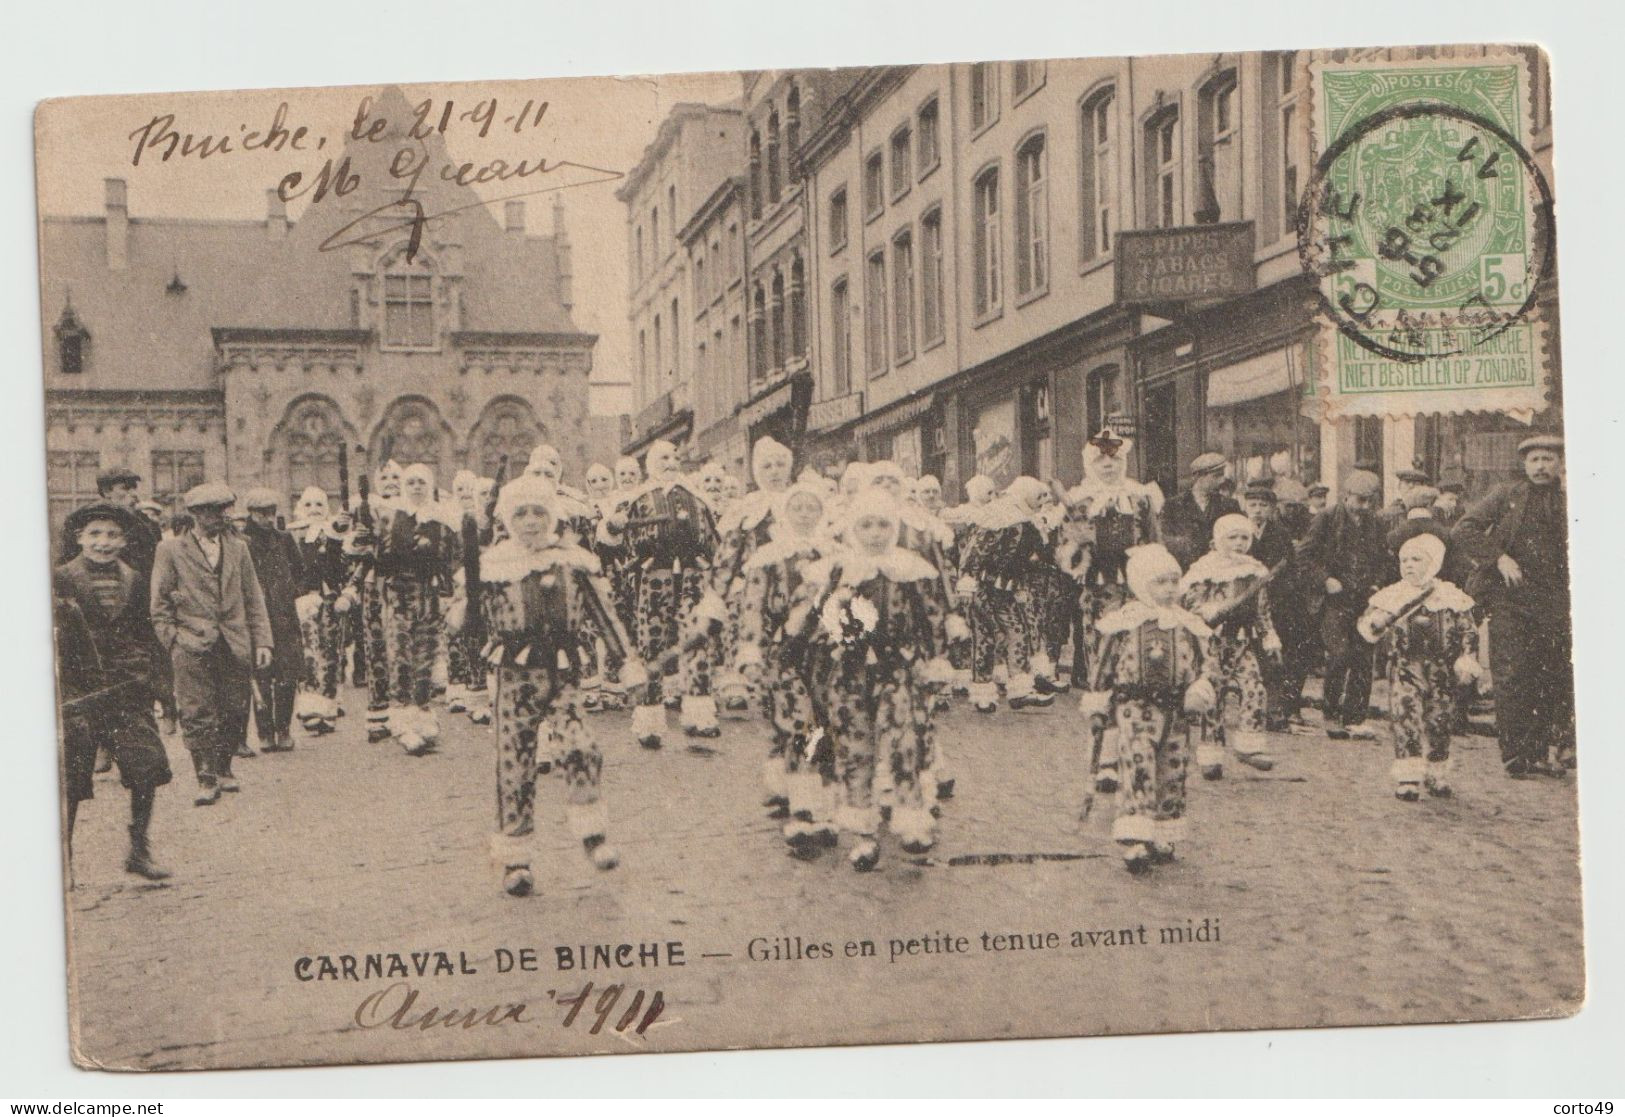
<point>1426,228</point>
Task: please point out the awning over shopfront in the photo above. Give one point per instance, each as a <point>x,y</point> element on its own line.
<point>1257,377</point>
<point>896,415</point>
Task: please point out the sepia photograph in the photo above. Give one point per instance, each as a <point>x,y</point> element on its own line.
<point>809,557</point>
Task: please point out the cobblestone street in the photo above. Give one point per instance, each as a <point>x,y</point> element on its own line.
<point>1328,902</point>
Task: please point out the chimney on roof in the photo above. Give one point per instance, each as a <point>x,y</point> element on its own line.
<point>514,216</point>
<point>561,253</point>
<point>118,225</point>
<point>276,215</point>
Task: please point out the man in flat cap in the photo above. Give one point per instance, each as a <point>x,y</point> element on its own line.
<point>1346,552</point>
<point>1315,498</point>
<point>105,657</point>
<point>209,614</point>
<point>1408,481</point>
<point>1519,535</point>
<point>1188,519</point>
<point>1447,506</point>
<point>279,569</point>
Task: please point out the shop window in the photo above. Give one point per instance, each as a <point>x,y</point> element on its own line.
<point>175,471</point>
<point>902,252</point>
<point>986,244</point>
<point>1368,441</point>
<point>1103,397</point>
<point>1219,155</point>
<point>1099,165</point>
<point>902,153</point>
<point>1164,191</point>
<point>1032,217</point>
<point>931,300</point>
<point>928,146</point>
<point>984,95</point>
<point>874,313</point>
<point>837,220</point>
<point>840,339</point>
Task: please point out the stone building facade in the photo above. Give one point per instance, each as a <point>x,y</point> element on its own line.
<point>192,349</point>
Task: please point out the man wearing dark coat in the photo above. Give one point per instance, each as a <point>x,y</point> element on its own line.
<point>209,613</point>
<point>1346,551</point>
<point>1188,519</point>
<point>278,566</point>
<point>105,654</point>
<point>1519,535</point>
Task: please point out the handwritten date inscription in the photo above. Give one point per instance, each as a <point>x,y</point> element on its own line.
<point>396,1007</point>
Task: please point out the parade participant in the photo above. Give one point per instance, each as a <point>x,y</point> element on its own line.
<point>1106,514</point>
<point>1347,551</point>
<point>105,655</point>
<point>799,773</point>
<point>667,530</point>
<point>854,479</point>
<point>417,545</point>
<point>323,571</point>
<point>1420,520</point>
<point>628,474</point>
<point>1432,652</point>
<point>364,598</point>
<point>1315,498</point>
<point>574,509</point>
<point>1002,564</point>
<point>1519,536</point>
<point>281,573</point>
<point>208,611</point>
<point>747,526</point>
<point>1227,588</point>
<point>1155,666</point>
<point>459,656</point>
<point>1188,519</point>
<point>536,588</point>
<point>868,631</point>
<point>600,483</point>
<point>479,694</point>
<point>928,491</point>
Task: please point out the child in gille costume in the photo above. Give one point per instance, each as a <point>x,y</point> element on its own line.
<point>799,773</point>
<point>1154,666</point>
<point>536,591</point>
<point>869,631</point>
<point>1432,645</point>
<point>1227,588</point>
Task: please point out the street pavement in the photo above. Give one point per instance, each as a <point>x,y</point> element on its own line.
<point>1326,901</point>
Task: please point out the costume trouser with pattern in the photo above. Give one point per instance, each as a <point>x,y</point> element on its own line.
<point>801,753</point>
<point>1000,633</point>
<point>374,640</point>
<point>877,716</point>
<point>666,601</point>
<point>415,627</point>
<point>1240,716</point>
<point>1049,599</point>
<point>1094,602</point>
<point>1151,793</point>
<point>540,732</point>
<point>1421,714</point>
<point>320,635</point>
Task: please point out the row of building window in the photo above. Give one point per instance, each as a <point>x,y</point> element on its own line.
<point>772,167</point>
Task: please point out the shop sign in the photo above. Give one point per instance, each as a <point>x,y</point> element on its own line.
<point>1121,423</point>
<point>835,412</point>
<point>1185,264</point>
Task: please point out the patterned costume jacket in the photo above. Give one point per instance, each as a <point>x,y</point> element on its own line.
<point>532,619</point>
<point>1427,647</point>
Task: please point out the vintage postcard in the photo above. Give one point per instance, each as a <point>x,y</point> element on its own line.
<point>808,557</point>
